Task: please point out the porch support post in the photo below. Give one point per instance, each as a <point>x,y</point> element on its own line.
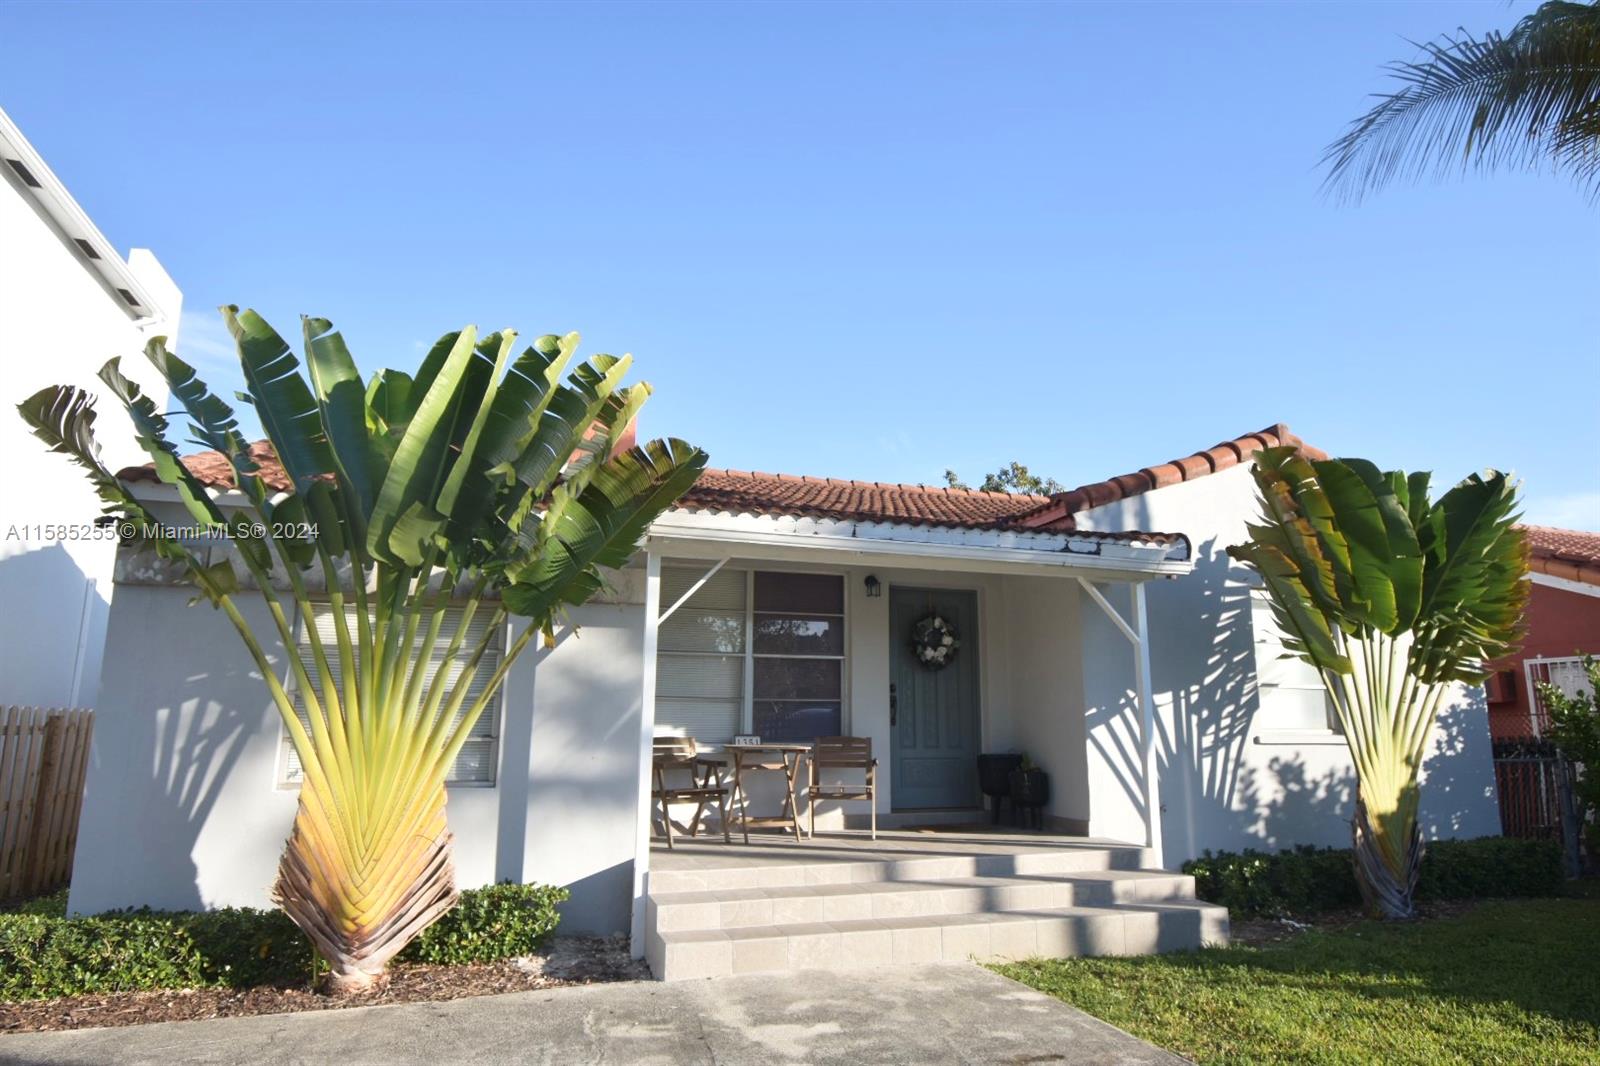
<point>647,731</point>
<point>1147,727</point>
<point>1138,635</point>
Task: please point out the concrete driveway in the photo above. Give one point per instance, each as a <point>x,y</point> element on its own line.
<point>949,1014</point>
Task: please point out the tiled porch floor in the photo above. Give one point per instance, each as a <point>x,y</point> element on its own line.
<point>769,848</point>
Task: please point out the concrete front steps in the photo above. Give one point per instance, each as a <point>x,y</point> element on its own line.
<point>860,914</point>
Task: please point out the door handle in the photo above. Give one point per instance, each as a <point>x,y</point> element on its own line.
<point>893,705</point>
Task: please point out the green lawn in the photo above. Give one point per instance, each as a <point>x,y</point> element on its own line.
<point>1509,982</point>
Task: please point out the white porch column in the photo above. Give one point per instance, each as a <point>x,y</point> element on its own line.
<point>1138,635</point>
<point>647,732</point>
<point>1147,729</point>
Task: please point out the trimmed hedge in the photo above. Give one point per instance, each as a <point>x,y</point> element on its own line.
<point>1309,880</point>
<point>43,956</point>
<point>498,922</point>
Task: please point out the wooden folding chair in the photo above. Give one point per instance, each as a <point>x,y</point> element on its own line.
<point>705,783</point>
<point>843,753</point>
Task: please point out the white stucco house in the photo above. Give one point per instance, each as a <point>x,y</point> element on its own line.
<point>68,302</point>
<point>1104,632</point>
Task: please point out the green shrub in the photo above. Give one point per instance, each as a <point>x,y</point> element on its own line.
<point>242,946</point>
<point>52,906</point>
<point>498,922</point>
<point>1305,880</point>
<point>127,951</point>
<point>1491,867</point>
<point>43,955</point>
<point>1309,880</point>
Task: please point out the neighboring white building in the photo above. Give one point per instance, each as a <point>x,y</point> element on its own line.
<point>1135,666</point>
<point>68,303</point>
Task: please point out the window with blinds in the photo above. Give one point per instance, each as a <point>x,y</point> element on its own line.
<point>700,660</point>
<point>798,654</point>
<point>1289,689</point>
<point>751,652</point>
<point>475,765</point>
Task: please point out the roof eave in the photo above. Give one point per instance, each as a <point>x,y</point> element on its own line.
<point>702,534</point>
<point>698,534</point>
<point>74,223</point>
<point>1563,573</point>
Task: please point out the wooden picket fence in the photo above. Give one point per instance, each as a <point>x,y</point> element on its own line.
<point>44,755</point>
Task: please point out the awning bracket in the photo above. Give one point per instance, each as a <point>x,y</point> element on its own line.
<point>1111,612</point>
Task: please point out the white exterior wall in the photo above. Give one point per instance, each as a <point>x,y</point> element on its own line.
<point>59,323</point>
<point>183,810</point>
<point>1045,661</point>
<point>1228,778</point>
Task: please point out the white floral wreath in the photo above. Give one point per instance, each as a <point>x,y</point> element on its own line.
<point>934,642</point>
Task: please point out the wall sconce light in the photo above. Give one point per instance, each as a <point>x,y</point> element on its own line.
<point>874,587</point>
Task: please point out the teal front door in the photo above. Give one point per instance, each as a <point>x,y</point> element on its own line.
<point>934,736</point>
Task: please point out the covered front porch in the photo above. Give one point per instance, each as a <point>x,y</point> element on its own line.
<point>789,628</point>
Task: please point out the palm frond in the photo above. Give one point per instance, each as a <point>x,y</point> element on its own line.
<point>1530,99</point>
<point>478,487</point>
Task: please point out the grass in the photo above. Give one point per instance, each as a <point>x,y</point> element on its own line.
<point>1508,982</point>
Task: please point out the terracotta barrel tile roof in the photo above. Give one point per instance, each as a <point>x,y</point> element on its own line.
<point>747,492</point>
<point>744,492</point>
<point>1573,554</point>
<point>213,470</point>
<point>1058,512</point>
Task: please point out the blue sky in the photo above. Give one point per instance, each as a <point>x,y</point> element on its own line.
<point>859,241</point>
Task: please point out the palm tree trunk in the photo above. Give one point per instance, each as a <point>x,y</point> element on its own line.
<point>1387,876</point>
<point>361,901</point>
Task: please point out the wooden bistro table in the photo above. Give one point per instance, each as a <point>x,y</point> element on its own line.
<point>784,758</point>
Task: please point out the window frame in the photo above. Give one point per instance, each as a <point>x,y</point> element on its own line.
<point>843,658</point>
<point>495,712</point>
<point>749,656</point>
<point>1272,730</point>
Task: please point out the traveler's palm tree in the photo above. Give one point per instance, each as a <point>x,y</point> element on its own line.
<point>480,486</point>
<point>1395,600</point>
<point>1528,98</point>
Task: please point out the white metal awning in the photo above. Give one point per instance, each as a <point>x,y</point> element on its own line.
<point>788,538</point>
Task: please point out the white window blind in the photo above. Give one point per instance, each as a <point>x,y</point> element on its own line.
<point>1289,689</point>
<point>475,764</point>
<point>701,655</point>
<point>759,652</point>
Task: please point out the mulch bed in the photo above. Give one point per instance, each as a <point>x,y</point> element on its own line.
<point>571,960</point>
<point>1260,932</point>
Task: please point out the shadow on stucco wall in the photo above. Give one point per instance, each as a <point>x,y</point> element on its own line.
<point>1306,807</point>
<point>50,614</point>
<point>1458,784</point>
<point>152,786</point>
<point>1219,788</point>
<point>191,755</point>
<point>569,783</point>
<point>1210,677</point>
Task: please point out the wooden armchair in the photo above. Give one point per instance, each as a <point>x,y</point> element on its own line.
<point>679,754</point>
<point>843,753</point>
